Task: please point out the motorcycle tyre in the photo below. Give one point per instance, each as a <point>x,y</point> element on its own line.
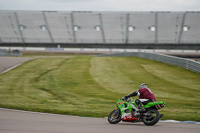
<point>155,120</point>
<point>117,120</point>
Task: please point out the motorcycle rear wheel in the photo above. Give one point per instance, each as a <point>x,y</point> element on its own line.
<point>152,119</point>
<point>114,117</point>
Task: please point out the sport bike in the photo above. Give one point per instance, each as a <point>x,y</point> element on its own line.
<point>126,111</point>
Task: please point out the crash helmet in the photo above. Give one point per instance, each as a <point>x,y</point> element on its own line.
<point>143,85</point>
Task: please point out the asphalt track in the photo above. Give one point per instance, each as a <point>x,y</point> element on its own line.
<point>7,63</point>
<point>14,121</point>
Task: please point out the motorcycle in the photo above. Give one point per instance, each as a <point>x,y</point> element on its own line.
<point>126,111</point>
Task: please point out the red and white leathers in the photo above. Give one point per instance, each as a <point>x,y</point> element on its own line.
<point>146,93</point>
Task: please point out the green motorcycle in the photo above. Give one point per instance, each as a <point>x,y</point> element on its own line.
<point>126,111</point>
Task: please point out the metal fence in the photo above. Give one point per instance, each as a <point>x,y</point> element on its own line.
<point>177,61</point>
<point>4,52</point>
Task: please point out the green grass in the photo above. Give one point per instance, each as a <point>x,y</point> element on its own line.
<point>90,86</point>
<point>50,54</point>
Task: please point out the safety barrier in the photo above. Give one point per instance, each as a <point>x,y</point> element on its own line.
<point>4,52</point>
<point>177,61</point>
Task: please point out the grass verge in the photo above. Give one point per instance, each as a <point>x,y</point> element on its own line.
<point>90,86</point>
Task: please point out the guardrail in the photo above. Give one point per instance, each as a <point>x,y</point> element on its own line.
<point>177,61</point>
<point>10,54</point>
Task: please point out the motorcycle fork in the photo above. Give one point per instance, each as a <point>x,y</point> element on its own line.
<point>116,111</point>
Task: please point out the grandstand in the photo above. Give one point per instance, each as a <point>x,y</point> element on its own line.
<point>88,29</point>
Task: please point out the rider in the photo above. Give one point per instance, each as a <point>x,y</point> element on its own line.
<point>145,96</point>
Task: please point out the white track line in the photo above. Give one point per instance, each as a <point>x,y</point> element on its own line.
<point>11,68</point>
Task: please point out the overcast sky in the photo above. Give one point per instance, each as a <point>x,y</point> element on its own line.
<point>101,5</point>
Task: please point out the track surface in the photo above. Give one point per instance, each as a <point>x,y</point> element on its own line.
<point>13,121</point>
<point>8,62</point>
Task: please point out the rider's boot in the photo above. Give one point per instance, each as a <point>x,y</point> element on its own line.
<point>141,108</point>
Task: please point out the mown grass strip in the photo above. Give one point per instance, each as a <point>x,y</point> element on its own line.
<point>90,86</point>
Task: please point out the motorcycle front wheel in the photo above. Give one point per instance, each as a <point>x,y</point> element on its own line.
<point>114,117</point>
<point>152,118</point>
